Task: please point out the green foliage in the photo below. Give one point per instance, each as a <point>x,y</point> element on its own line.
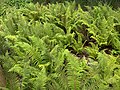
<point>61,47</point>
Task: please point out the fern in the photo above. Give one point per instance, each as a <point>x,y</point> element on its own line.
<point>60,46</point>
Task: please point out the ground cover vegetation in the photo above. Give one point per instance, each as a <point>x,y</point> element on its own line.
<point>59,46</point>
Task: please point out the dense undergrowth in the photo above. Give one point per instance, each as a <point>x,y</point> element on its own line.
<point>60,47</point>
